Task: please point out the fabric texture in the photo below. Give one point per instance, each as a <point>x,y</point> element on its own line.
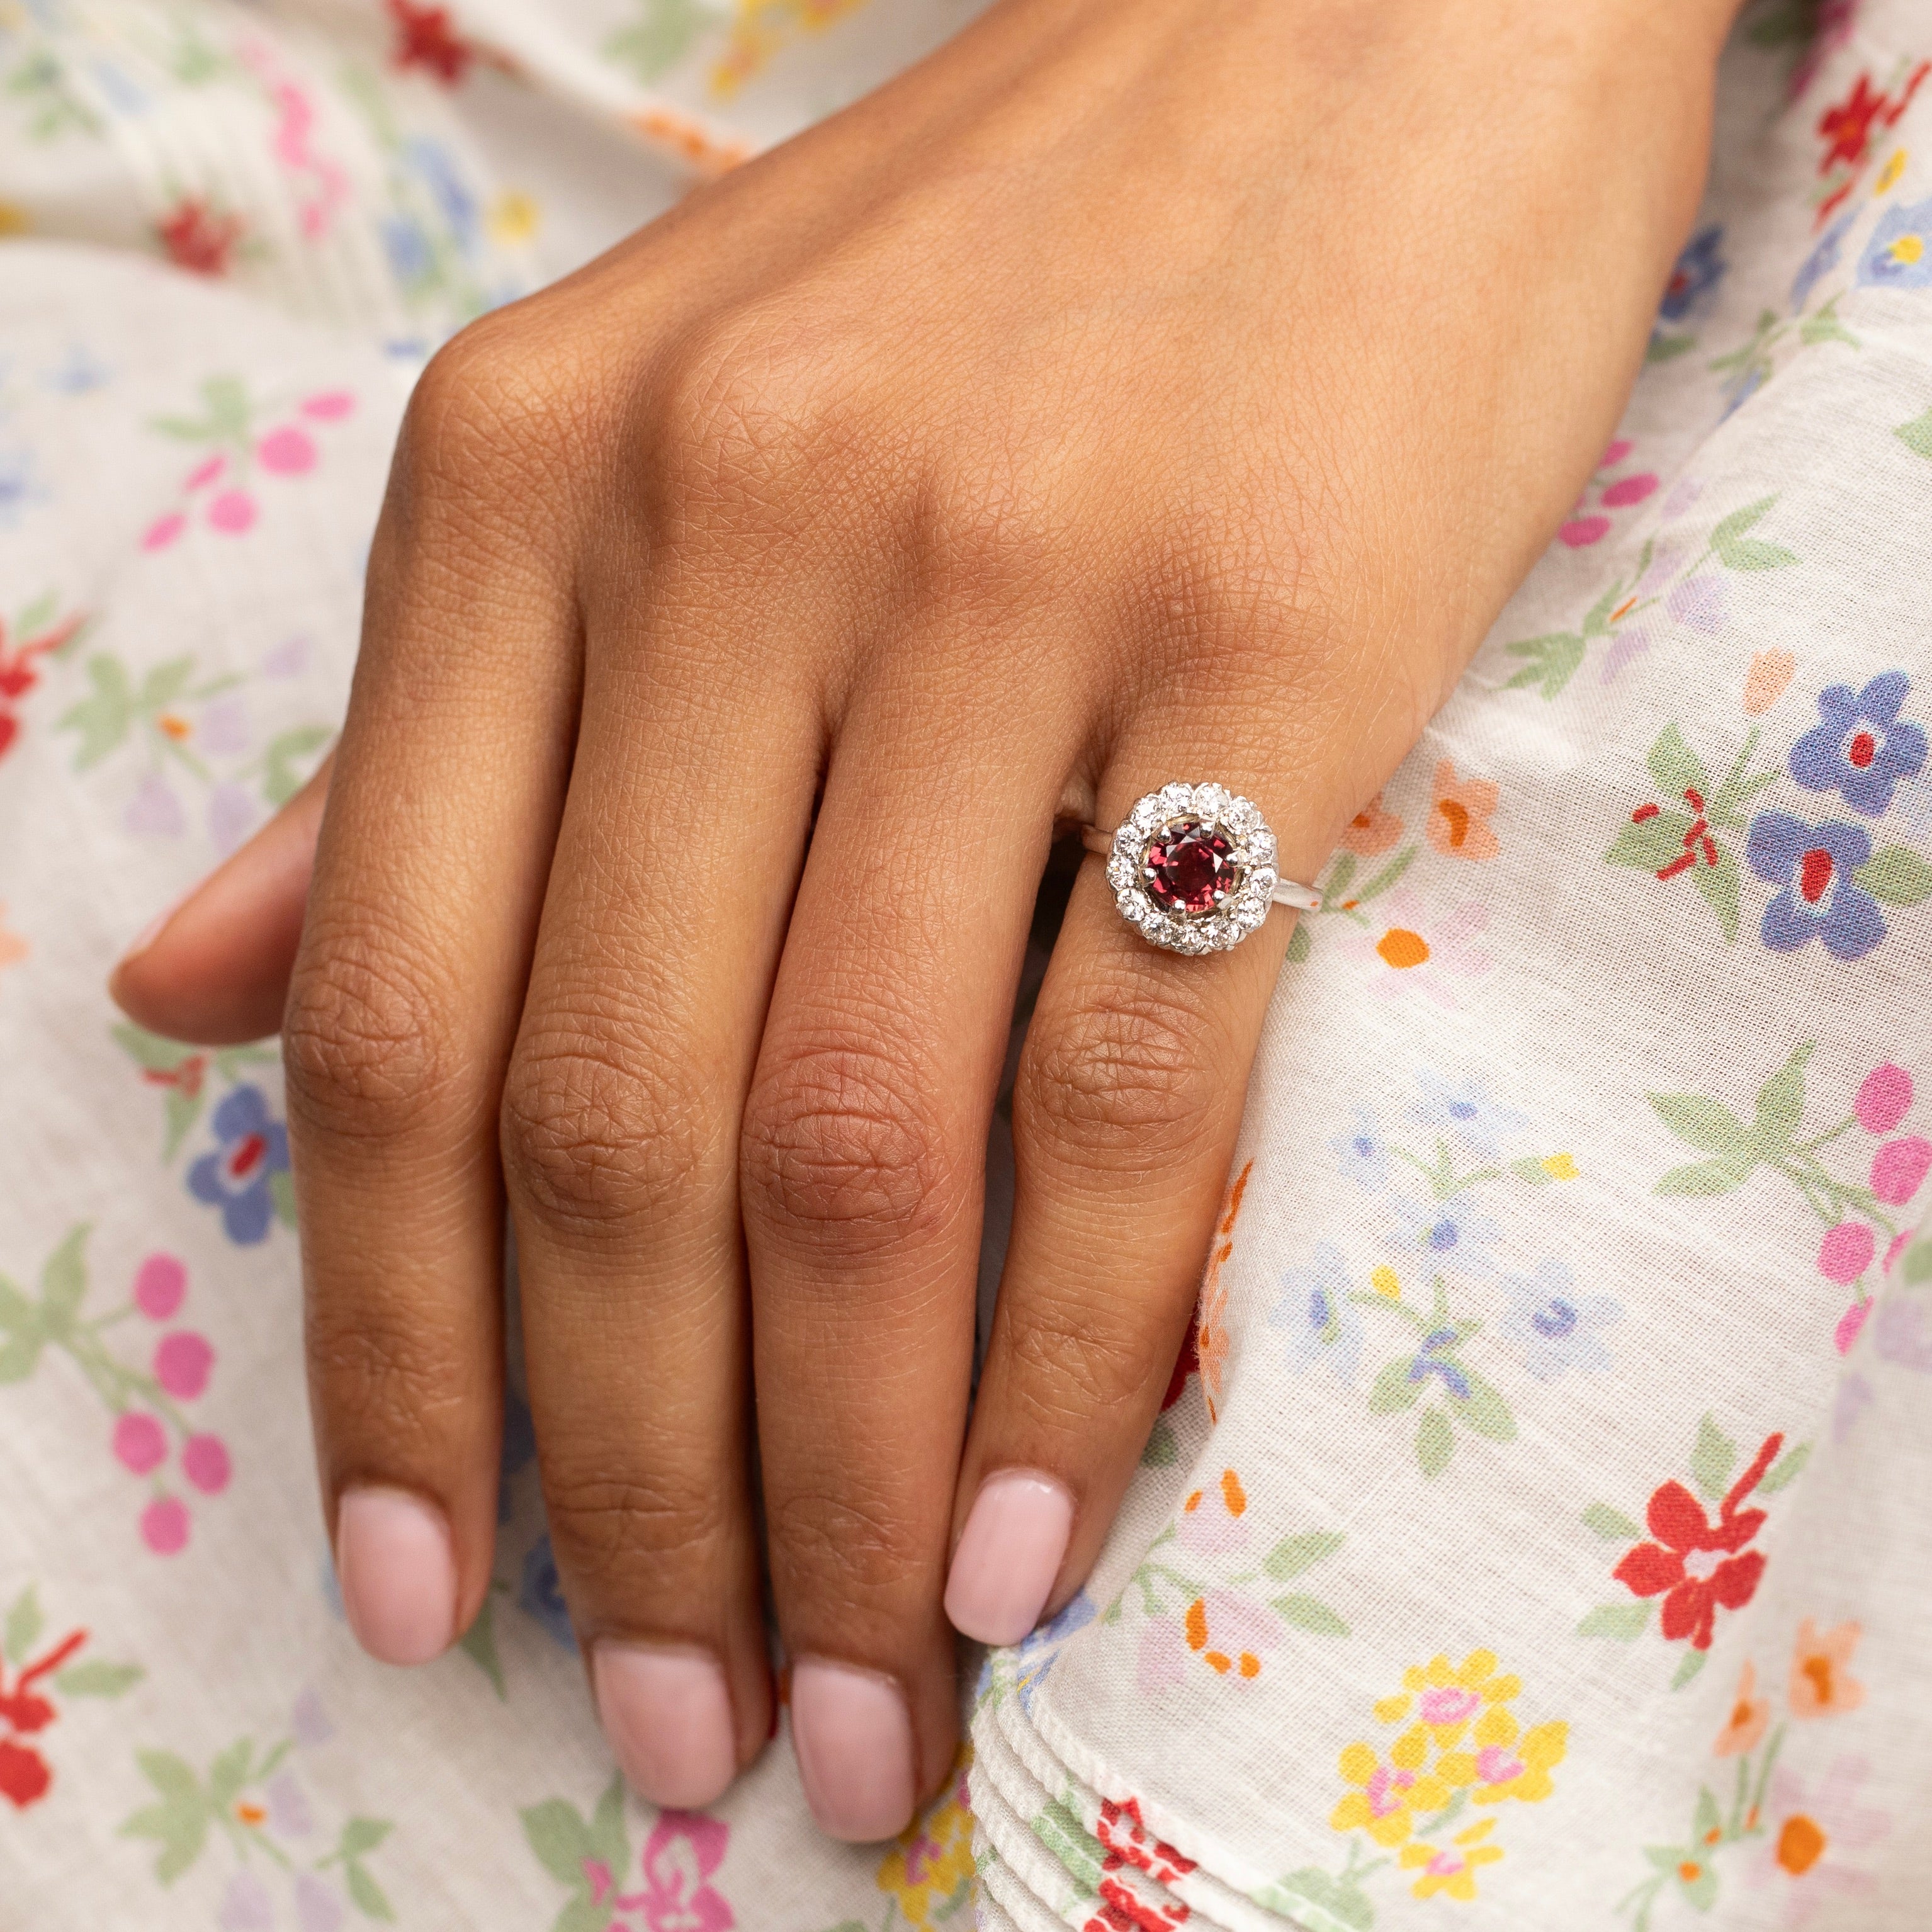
<point>1534,1534</point>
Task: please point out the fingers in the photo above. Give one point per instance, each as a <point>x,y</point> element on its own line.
<point>406,993</point>
<point>673,875</point>
<point>864,1143</point>
<point>1126,1108</point>
<point>215,969</point>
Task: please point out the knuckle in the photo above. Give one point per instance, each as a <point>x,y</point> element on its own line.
<point>363,1041</point>
<point>393,1379</point>
<point>1127,1063</point>
<point>601,1520</point>
<point>850,1543</point>
<point>1067,1365</point>
<point>597,1134</point>
<point>838,1144</point>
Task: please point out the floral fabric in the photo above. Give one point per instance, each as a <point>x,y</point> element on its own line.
<point>1534,1534</point>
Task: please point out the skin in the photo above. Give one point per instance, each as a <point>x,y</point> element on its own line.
<point>1136,389</point>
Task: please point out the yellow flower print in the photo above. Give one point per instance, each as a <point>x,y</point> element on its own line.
<point>930,1866</point>
<point>1889,175</point>
<point>760,28</point>
<point>1445,1699</point>
<point>1385,1282</point>
<point>1451,1869</point>
<point>1507,1762</point>
<point>1560,1166</point>
<point>515,216</point>
<point>1387,1796</point>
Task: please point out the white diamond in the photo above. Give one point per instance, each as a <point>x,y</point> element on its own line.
<point>1120,872</point>
<point>1212,801</point>
<point>1146,813</point>
<point>1241,816</point>
<point>1136,905</point>
<point>1175,798</point>
<point>1260,846</point>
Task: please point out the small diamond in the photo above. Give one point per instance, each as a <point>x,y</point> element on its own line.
<point>1212,801</point>
<point>1262,881</point>
<point>1190,867</point>
<point>1134,906</point>
<point>1241,816</point>
<point>1176,798</point>
<point>1260,846</point>
<point>1146,815</point>
<point>1120,871</point>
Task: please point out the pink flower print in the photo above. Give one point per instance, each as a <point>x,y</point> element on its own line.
<point>232,512</point>
<point>1586,526</point>
<point>286,451</point>
<point>1900,1242</point>
<point>308,1721</point>
<point>163,530</point>
<point>1162,1663</point>
<point>1448,1704</point>
<point>1897,1168</point>
<point>204,473</point>
<point>1851,1325</point>
<point>140,1443</point>
<point>164,1525</point>
<point>1847,1252</point>
<point>1884,1095</point>
<point>247,1905</point>
<point>289,1815</point>
<point>1212,1517</point>
<point>1813,1830</point>
<point>328,405</point>
<point>154,809</point>
<point>205,1464</point>
<point>160,1284</point>
<point>182,1363</point>
<point>685,1848</point>
<point>318,1908</point>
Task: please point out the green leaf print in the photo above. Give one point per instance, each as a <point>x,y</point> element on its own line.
<point>1622,1623</point>
<point>1294,1554</point>
<point>1435,1443</point>
<point>1916,435</point>
<point>1780,1105</point>
<point>1552,662</point>
<point>652,45</point>
<point>1649,843</point>
<point>1787,1469</point>
<point>1690,1669</point>
<point>102,719</point>
<point>1719,886</point>
<point>1612,1525</point>
<point>179,1822</point>
<point>1393,1389</point>
<point>1897,875</point>
<point>556,1830</point>
<point>24,1624</point>
<point>1706,1178</point>
<point>1484,1410</point>
<point>63,1283</point>
<point>280,780</point>
<point>1310,1613</point>
<point>1676,767</point>
<point>97,1679</point>
<point>1712,1461</point>
<point>1708,1124</point>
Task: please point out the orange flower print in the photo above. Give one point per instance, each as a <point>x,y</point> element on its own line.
<point>1372,829</point>
<point>1459,815</point>
<point>1229,1634</point>
<point>1770,672</point>
<point>1211,1332</point>
<point>1211,1518</point>
<point>1821,1683</point>
<point>13,948</point>
<point>1751,1714</point>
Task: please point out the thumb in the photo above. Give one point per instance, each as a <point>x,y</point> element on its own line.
<point>215,969</point>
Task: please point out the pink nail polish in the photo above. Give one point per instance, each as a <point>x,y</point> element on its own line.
<point>397,1566</point>
<point>668,1715</point>
<point>1014,1543</point>
<point>853,1737</point>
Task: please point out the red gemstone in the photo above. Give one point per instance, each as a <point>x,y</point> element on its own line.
<point>1189,867</point>
<point>1814,875</point>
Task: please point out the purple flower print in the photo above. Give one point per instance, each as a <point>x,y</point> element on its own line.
<point>1860,748</point>
<point>1431,1359</point>
<point>252,1148</point>
<point>1899,255</point>
<point>1821,899</point>
<point>540,1593</point>
<point>1699,270</point>
<point>1822,260</point>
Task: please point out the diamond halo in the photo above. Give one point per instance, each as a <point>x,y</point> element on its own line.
<point>1192,868</point>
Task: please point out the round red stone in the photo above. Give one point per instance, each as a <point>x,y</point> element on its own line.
<point>1189,867</point>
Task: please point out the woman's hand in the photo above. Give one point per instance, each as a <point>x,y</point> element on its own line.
<point>1137,390</point>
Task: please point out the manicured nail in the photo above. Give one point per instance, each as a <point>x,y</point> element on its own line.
<point>1014,1543</point>
<point>397,1567</point>
<point>667,1714</point>
<point>853,1737</point>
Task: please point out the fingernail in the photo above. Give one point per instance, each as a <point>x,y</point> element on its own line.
<point>395,1563</point>
<point>667,1714</point>
<point>1014,1543</point>
<point>853,1737</point>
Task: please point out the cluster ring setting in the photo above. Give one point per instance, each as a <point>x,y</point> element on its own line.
<point>1192,868</point>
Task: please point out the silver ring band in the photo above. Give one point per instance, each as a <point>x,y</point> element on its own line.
<point>1193,868</point>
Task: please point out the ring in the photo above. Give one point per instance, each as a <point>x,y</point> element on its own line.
<point>1192,868</point>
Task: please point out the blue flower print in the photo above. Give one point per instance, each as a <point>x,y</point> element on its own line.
<point>1323,1325</point>
<point>411,257</point>
<point>1451,1236</point>
<point>1821,899</point>
<point>1860,748</point>
<point>1037,1650</point>
<point>1462,1111</point>
<point>1554,1328</point>
<point>19,485</point>
<point>1364,1155</point>
<point>1699,270</point>
<point>1433,1359</point>
<point>540,1591</point>
<point>1899,255</point>
<point>1822,260</point>
<point>251,1148</point>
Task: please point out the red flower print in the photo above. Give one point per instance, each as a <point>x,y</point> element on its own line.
<point>24,1774</point>
<point>1128,1842</point>
<point>1696,1566</point>
<point>18,673</point>
<point>1847,128</point>
<point>198,239</point>
<point>1121,1911</point>
<point>424,38</point>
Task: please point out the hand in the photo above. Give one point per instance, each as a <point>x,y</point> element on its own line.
<point>1138,389</point>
